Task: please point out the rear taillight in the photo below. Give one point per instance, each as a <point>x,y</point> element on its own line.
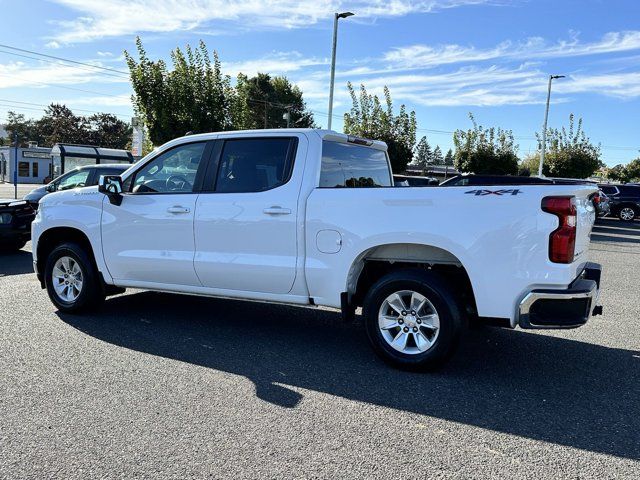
<point>562,241</point>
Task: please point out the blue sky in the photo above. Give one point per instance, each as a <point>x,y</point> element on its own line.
<point>442,58</point>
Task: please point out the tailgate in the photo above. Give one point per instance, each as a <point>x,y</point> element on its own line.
<point>585,217</point>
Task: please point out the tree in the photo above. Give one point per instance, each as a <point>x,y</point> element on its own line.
<point>196,97</point>
<point>106,130</point>
<point>60,125</point>
<point>422,153</point>
<point>193,97</point>
<point>617,173</point>
<point>261,102</point>
<point>633,170</point>
<point>570,154</point>
<point>448,158</point>
<point>437,158</point>
<point>17,123</point>
<point>369,118</point>
<point>485,150</point>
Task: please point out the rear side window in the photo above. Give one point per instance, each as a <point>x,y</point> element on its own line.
<point>352,166</point>
<point>255,164</point>
<point>609,190</point>
<point>630,191</point>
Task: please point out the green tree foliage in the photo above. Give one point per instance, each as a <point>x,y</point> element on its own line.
<point>371,119</point>
<point>60,125</point>
<point>422,153</point>
<point>107,130</point>
<point>261,102</point>
<point>485,150</point>
<point>193,97</point>
<point>437,158</point>
<point>625,173</point>
<point>448,158</point>
<point>569,153</point>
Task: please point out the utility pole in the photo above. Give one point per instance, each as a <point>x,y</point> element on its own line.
<point>336,17</point>
<point>15,166</point>
<point>544,126</point>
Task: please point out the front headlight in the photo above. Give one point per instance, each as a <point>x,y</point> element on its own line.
<point>5,218</point>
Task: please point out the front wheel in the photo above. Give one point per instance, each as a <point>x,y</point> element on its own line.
<point>412,319</point>
<point>626,214</point>
<point>72,279</point>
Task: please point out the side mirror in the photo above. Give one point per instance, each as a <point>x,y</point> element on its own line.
<point>51,188</point>
<point>111,186</point>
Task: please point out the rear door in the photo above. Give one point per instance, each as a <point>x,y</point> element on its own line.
<point>246,228</point>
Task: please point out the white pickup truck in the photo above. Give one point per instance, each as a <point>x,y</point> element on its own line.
<point>311,217</point>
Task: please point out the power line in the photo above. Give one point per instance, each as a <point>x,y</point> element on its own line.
<point>121,72</point>
<point>63,86</point>
<point>59,63</point>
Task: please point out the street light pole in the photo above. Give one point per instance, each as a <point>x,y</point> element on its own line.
<point>336,17</point>
<point>544,126</point>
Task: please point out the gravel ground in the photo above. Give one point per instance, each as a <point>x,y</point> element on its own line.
<point>168,386</point>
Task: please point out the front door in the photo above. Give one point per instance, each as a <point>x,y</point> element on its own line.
<point>246,217</point>
<point>149,237</point>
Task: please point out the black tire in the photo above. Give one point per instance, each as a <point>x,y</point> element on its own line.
<point>626,208</point>
<point>434,288</point>
<point>91,294</point>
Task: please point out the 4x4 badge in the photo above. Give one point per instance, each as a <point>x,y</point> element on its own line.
<point>478,193</point>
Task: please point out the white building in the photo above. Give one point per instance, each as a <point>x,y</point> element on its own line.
<point>34,164</point>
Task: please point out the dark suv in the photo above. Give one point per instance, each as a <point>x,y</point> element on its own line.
<point>624,200</point>
<point>15,224</point>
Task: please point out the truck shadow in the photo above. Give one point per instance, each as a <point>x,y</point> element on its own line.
<point>540,387</point>
<point>15,263</point>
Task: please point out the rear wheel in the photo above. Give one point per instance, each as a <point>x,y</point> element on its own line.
<point>627,214</point>
<point>412,319</point>
<point>72,279</point>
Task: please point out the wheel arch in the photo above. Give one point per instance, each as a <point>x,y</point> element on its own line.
<point>376,261</point>
<point>51,238</point>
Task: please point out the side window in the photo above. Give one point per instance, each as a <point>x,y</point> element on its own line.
<point>104,171</point>
<point>255,164</point>
<point>608,190</point>
<point>75,180</point>
<point>173,171</point>
<point>345,165</point>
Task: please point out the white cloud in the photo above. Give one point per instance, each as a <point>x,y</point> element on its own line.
<point>424,56</point>
<point>108,18</point>
<point>104,54</point>
<point>52,44</point>
<point>19,74</point>
<point>276,63</point>
<point>122,100</point>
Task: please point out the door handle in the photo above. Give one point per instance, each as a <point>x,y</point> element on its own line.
<point>178,209</point>
<point>275,210</point>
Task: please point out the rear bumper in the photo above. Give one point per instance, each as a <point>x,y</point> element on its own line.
<point>569,308</point>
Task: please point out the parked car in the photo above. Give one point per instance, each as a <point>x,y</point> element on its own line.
<point>15,224</point>
<point>301,216</point>
<point>488,180</point>
<point>624,200</point>
<point>414,181</point>
<point>78,177</point>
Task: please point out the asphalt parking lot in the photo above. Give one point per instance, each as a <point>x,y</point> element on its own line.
<point>160,385</point>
